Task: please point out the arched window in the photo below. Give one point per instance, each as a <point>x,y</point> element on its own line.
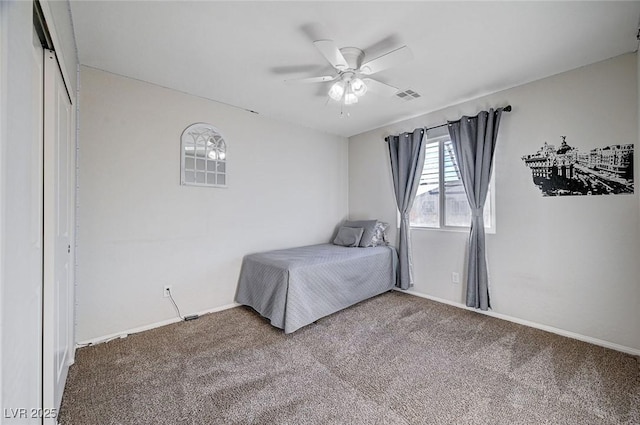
<point>203,156</point>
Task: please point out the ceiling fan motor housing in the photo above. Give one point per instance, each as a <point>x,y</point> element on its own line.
<point>353,56</point>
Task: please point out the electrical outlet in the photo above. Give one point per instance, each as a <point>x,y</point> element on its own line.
<point>167,291</point>
<point>455,277</point>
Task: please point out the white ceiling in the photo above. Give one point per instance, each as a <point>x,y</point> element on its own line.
<point>241,52</point>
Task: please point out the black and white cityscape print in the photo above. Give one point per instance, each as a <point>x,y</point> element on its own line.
<point>565,170</point>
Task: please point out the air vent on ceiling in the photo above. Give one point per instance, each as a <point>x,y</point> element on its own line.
<point>408,95</point>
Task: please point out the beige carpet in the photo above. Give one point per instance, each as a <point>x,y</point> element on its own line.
<point>394,359</point>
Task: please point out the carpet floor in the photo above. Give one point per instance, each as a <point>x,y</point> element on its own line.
<point>393,359</point>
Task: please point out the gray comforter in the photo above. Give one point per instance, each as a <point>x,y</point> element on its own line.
<point>295,287</point>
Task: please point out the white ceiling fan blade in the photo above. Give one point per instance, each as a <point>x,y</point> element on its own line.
<point>394,57</point>
<point>331,53</point>
<point>379,87</point>
<point>322,79</point>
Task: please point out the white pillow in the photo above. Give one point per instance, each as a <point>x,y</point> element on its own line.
<point>380,234</point>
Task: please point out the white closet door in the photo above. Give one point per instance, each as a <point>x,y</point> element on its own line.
<point>57,285</point>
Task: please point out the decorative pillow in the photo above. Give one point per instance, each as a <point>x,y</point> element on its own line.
<point>348,236</point>
<point>380,234</point>
<point>368,227</point>
<point>385,238</point>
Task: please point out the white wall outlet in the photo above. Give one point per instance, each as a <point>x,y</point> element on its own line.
<point>455,277</point>
<point>167,290</point>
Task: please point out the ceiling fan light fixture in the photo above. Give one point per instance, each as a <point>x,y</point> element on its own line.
<point>350,98</point>
<point>336,91</point>
<point>358,87</point>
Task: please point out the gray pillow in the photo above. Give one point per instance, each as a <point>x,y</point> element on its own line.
<point>348,236</point>
<point>368,226</point>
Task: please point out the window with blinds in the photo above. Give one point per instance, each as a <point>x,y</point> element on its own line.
<point>441,201</point>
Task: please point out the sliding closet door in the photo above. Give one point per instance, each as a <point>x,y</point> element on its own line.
<point>57,284</point>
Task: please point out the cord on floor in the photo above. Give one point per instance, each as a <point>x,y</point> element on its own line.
<point>185,318</point>
<point>175,305</point>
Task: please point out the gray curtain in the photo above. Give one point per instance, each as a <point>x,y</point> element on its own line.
<point>474,142</point>
<point>406,152</point>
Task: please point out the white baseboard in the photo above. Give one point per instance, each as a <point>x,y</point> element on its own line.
<point>125,333</point>
<point>557,331</point>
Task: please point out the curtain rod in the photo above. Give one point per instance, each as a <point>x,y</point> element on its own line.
<point>505,109</point>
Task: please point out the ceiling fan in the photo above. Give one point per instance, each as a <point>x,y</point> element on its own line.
<point>352,77</point>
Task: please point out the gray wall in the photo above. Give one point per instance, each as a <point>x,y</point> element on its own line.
<point>140,230</point>
<point>568,262</point>
<point>20,300</point>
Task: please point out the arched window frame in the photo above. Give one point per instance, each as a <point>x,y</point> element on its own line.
<point>203,156</point>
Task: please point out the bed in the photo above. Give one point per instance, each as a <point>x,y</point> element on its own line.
<point>295,287</point>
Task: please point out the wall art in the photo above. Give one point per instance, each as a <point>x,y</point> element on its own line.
<point>203,156</point>
<point>566,170</point>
